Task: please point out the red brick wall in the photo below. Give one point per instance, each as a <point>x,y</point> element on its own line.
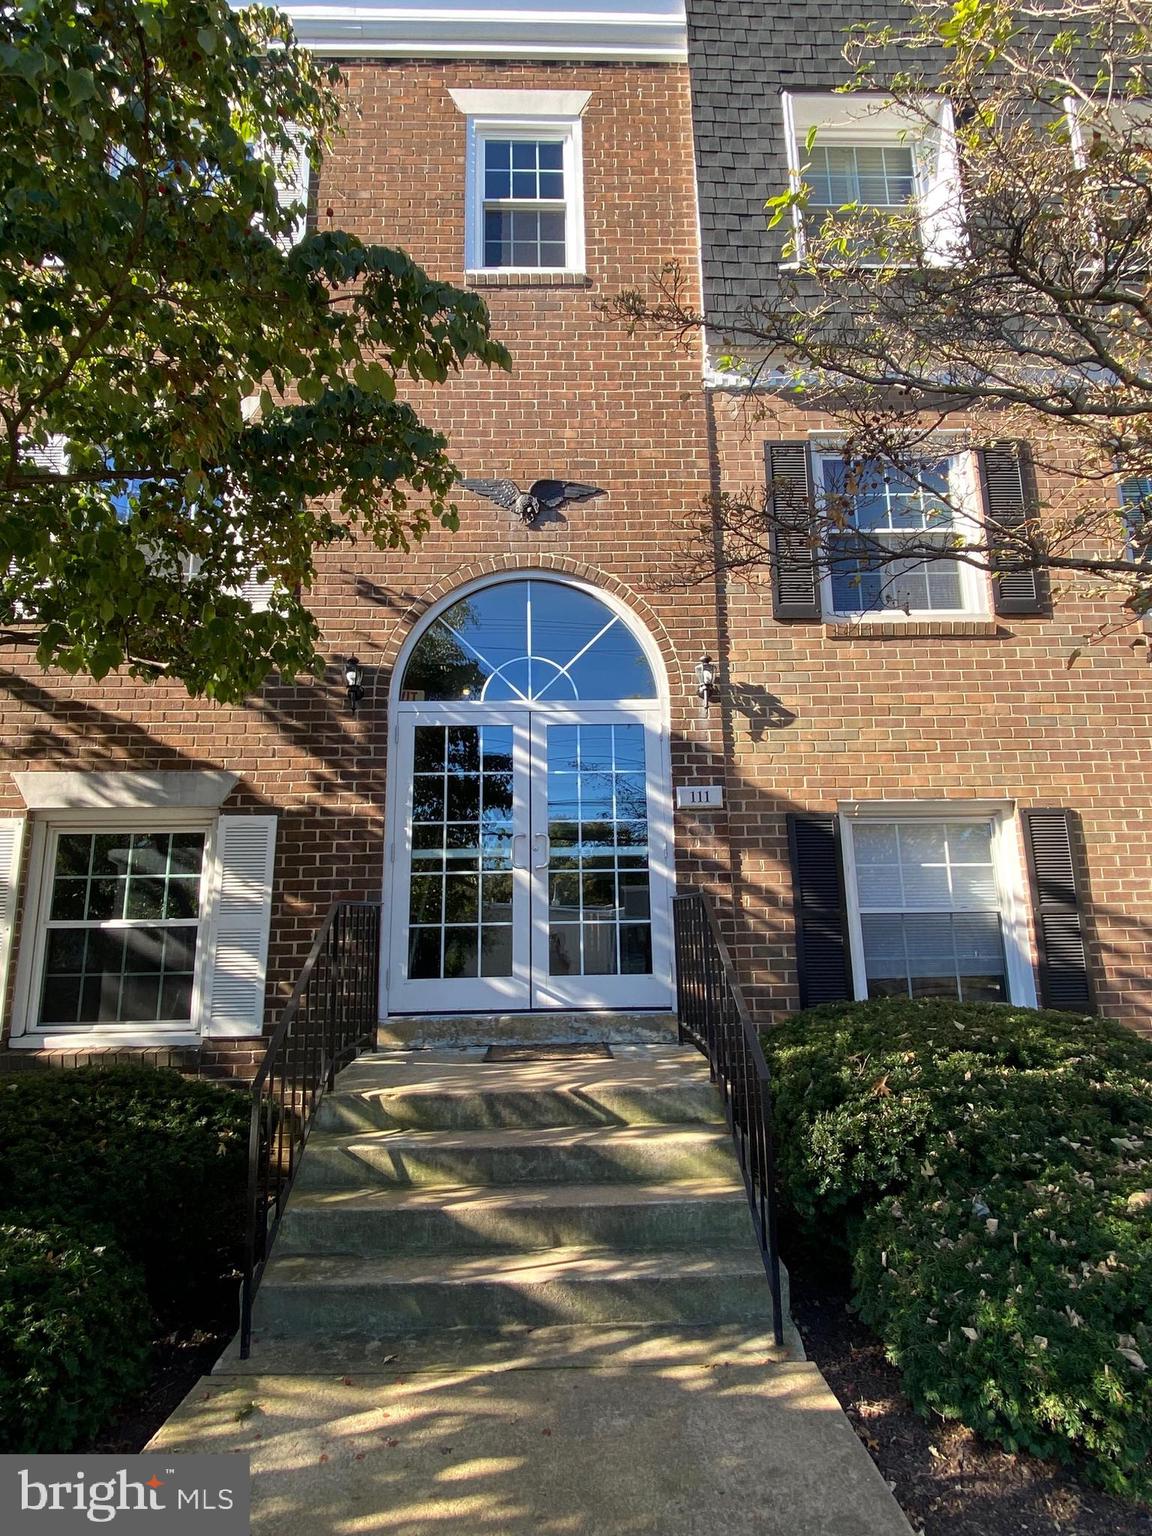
<point>935,714</point>
<point>584,399</point>
<point>995,715</point>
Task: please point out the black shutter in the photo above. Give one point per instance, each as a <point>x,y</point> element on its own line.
<point>1008,504</point>
<point>795,568</point>
<point>822,953</point>
<point>1064,981</point>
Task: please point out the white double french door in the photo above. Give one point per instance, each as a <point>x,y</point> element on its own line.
<point>529,861</point>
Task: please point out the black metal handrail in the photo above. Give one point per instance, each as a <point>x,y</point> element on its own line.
<point>328,1020</point>
<point>714,1017</point>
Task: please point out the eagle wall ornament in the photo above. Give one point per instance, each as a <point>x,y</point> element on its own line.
<point>541,495</point>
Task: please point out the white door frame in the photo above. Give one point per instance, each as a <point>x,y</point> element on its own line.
<point>660,775</point>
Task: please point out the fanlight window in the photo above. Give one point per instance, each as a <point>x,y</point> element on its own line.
<point>523,641</point>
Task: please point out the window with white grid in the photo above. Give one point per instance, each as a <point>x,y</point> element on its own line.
<point>124,915</point>
<point>879,176</point>
<point>525,197</point>
<point>863,154</point>
<point>878,511</point>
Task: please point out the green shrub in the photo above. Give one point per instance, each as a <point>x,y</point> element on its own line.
<point>868,1095</point>
<point>989,1170</point>
<point>74,1325</point>
<point>1025,1312</point>
<point>153,1161</point>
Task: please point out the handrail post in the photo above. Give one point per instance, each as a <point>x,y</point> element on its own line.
<point>770,1212</point>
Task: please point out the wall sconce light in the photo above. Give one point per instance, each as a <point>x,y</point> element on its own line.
<point>354,677</point>
<point>705,680</point>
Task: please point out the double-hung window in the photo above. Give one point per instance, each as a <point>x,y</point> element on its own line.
<point>524,193</point>
<point>872,512</point>
<point>877,176</point>
<point>861,157</point>
<point>933,905</point>
<point>524,206</point>
<point>122,933</point>
<point>1136,500</point>
<point>1112,145</point>
<point>145,912</point>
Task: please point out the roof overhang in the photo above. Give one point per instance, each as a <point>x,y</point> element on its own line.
<point>648,31</point>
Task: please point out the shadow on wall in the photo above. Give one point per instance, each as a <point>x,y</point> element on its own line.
<point>332,846</point>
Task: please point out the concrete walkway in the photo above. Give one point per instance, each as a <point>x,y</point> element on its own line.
<point>556,1432</point>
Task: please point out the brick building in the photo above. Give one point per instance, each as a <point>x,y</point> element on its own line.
<point>530,718</point>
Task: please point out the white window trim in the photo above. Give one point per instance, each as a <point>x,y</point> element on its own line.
<point>1125,114</point>
<point>973,582</point>
<point>26,1033</point>
<point>1008,865</point>
<point>525,125</point>
<point>871,119</point>
<point>94,793</point>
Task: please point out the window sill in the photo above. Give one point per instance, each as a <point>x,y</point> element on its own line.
<point>913,629</point>
<point>507,277</point>
<point>100,1040</point>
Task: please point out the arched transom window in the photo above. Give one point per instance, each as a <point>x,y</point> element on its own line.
<point>527,641</point>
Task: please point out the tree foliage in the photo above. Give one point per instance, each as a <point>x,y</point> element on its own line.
<point>227,398</point>
<point>1011,300</point>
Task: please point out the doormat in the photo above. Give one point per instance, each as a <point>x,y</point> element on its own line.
<point>546,1052</point>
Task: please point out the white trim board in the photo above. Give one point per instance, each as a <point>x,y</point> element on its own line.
<point>652,31</point>
<point>164,790</point>
<point>520,103</point>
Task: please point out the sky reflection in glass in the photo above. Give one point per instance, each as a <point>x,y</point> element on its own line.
<point>521,641</point>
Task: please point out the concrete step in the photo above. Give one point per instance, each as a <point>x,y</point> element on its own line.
<point>653,1085</point>
<point>314,1296</point>
<point>464,1029</point>
<point>559,1346</point>
<point>574,1155</point>
<point>519,1219</point>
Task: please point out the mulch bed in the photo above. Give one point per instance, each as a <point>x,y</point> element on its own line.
<point>178,1362</point>
<point>947,1481</point>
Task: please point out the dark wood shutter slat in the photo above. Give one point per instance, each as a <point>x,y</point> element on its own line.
<point>1008,504</point>
<point>795,567</point>
<point>1064,979</point>
<point>822,952</point>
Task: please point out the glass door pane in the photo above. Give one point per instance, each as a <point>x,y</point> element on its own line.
<point>455,930</point>
<point>598,938</point>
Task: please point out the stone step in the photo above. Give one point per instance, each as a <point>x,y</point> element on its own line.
<point>662,1086</point>
<point>574,1155</point>
<point>316,1297</point>
<point>519,1219</point>
<point>561,1346</point>
<point>551,1028</point>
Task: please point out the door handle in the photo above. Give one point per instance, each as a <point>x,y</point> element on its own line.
<point>540,842</point>
<point>519,863</point>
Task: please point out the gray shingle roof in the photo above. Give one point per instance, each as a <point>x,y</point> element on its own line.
<point>742,54</point>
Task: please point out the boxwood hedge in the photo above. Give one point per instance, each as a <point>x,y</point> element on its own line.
<point>153,1161</point>
<point>989,1170</point>
<point>74,1330</point>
